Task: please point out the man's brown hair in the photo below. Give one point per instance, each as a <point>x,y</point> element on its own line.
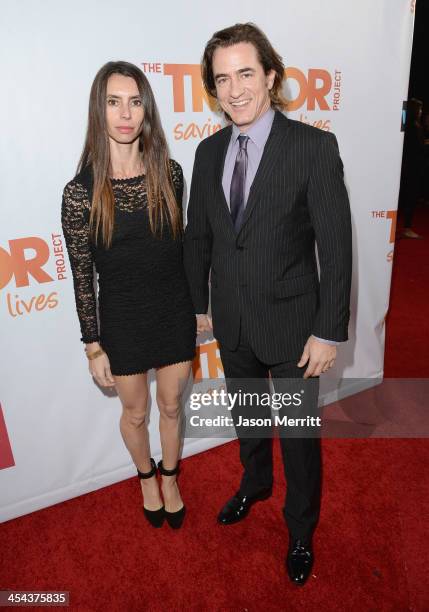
<point>269,58</point>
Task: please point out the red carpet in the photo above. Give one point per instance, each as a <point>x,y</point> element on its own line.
<point>370,546</point>
<point>407,353</point>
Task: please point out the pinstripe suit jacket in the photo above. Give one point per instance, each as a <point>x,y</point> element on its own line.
<point>267,273</point>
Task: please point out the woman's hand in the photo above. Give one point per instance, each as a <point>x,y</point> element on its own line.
<point>204,323</point>
<point>99,367</point>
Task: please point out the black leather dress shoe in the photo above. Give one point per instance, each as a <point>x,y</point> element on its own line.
<point>299,560</point>
<point>237,508</point>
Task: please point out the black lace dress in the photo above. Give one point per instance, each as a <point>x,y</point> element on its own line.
<point>146,316</point>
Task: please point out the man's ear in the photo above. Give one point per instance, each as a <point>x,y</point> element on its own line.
<point>270,78</point>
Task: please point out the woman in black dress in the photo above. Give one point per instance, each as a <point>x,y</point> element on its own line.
<point>123,213</point>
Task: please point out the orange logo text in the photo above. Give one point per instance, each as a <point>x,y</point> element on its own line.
<point>317,88</point>
<point>391,216</point>
<point>25,262</point>
<point>207,363</point>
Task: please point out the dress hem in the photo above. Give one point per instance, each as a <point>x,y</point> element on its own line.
<point>160,364</point>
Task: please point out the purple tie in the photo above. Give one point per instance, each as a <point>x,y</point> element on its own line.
<point>236,197</point>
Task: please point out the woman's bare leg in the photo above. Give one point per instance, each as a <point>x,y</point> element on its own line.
<point>133,393</point>
<point>170,382</point>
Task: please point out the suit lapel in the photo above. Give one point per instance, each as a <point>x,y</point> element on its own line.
<point>271,152</point>
<point>219,165</point>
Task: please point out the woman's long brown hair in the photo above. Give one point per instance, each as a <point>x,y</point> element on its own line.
<point>153,149</point>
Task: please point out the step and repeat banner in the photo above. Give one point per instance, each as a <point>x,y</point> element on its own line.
<point>347,68</point>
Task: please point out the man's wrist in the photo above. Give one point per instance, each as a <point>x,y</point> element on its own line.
<point>325,341</point>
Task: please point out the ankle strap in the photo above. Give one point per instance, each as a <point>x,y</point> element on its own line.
<point>165,472</point>
<point>143,475</point>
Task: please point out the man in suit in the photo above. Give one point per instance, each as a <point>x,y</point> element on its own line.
<point>264,190</point>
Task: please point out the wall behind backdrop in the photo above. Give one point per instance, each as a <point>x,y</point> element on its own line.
<point>348,66</point>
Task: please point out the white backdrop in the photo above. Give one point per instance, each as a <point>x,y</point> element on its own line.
<point>348,65</point>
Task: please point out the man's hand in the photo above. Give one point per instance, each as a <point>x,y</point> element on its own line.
<point>321,357</point>
<point>204,323</point>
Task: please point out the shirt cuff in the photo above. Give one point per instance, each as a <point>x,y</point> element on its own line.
<point>330,342</point>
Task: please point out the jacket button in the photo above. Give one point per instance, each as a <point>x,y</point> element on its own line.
<point>240,247</point>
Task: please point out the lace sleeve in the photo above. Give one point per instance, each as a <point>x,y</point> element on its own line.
<point>177,176</point>
<point>75,223</point>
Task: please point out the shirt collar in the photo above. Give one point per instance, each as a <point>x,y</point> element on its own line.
<point>259,131</point>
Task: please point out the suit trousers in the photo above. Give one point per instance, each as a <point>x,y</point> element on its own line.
<point>301,455</point>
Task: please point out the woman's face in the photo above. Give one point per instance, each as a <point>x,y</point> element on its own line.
<point>124,109</point>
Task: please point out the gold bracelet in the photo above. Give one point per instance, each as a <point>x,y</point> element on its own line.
<point>95,354</point>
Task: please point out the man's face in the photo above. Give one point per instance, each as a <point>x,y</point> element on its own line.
<point>242,87</point>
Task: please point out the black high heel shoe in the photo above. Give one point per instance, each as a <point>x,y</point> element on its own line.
<point>174,519</point>
<point>155,517</point>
